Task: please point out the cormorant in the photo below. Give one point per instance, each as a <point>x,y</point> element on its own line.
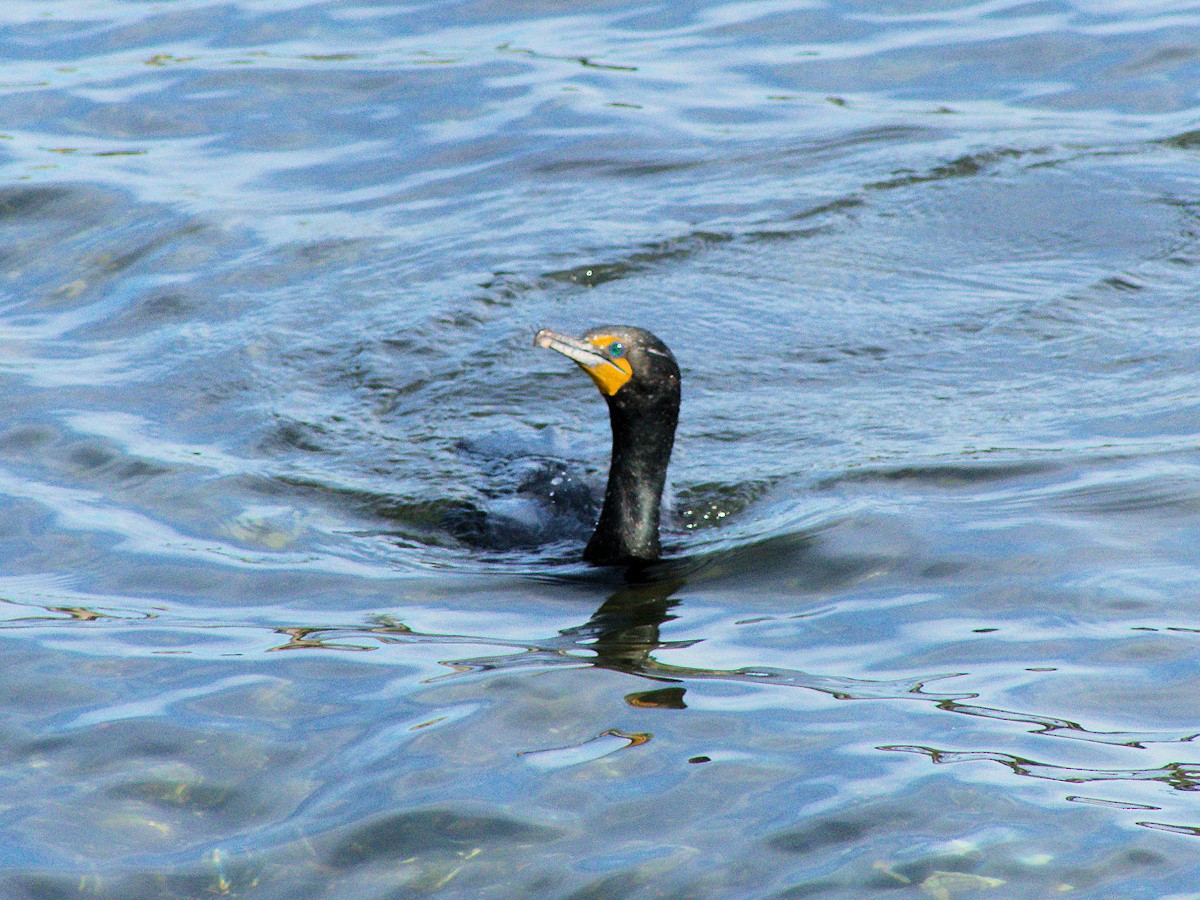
<point>639,379</point>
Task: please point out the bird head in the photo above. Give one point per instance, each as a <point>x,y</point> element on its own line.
<point>626,363</point>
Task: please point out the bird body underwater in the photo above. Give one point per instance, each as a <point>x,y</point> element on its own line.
<point>639,379</point>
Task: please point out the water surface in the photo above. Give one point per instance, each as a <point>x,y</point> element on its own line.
<point>292,508</point>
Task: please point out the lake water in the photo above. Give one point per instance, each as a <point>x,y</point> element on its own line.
<point>291,508</point>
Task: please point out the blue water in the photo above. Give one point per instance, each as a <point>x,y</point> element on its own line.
<point>291,509</point>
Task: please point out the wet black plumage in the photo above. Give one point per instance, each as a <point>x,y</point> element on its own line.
<point>639,378</point>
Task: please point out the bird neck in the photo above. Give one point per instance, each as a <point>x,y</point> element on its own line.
<point>642,440</point>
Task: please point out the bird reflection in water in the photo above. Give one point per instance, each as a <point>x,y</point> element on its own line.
<point>624,631</point>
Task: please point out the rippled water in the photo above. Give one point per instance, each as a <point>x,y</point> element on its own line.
<point>292,507</point>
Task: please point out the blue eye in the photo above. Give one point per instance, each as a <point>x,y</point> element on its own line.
<point>616,349</point>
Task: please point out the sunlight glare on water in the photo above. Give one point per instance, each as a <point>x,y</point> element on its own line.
<point>291,597</point>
